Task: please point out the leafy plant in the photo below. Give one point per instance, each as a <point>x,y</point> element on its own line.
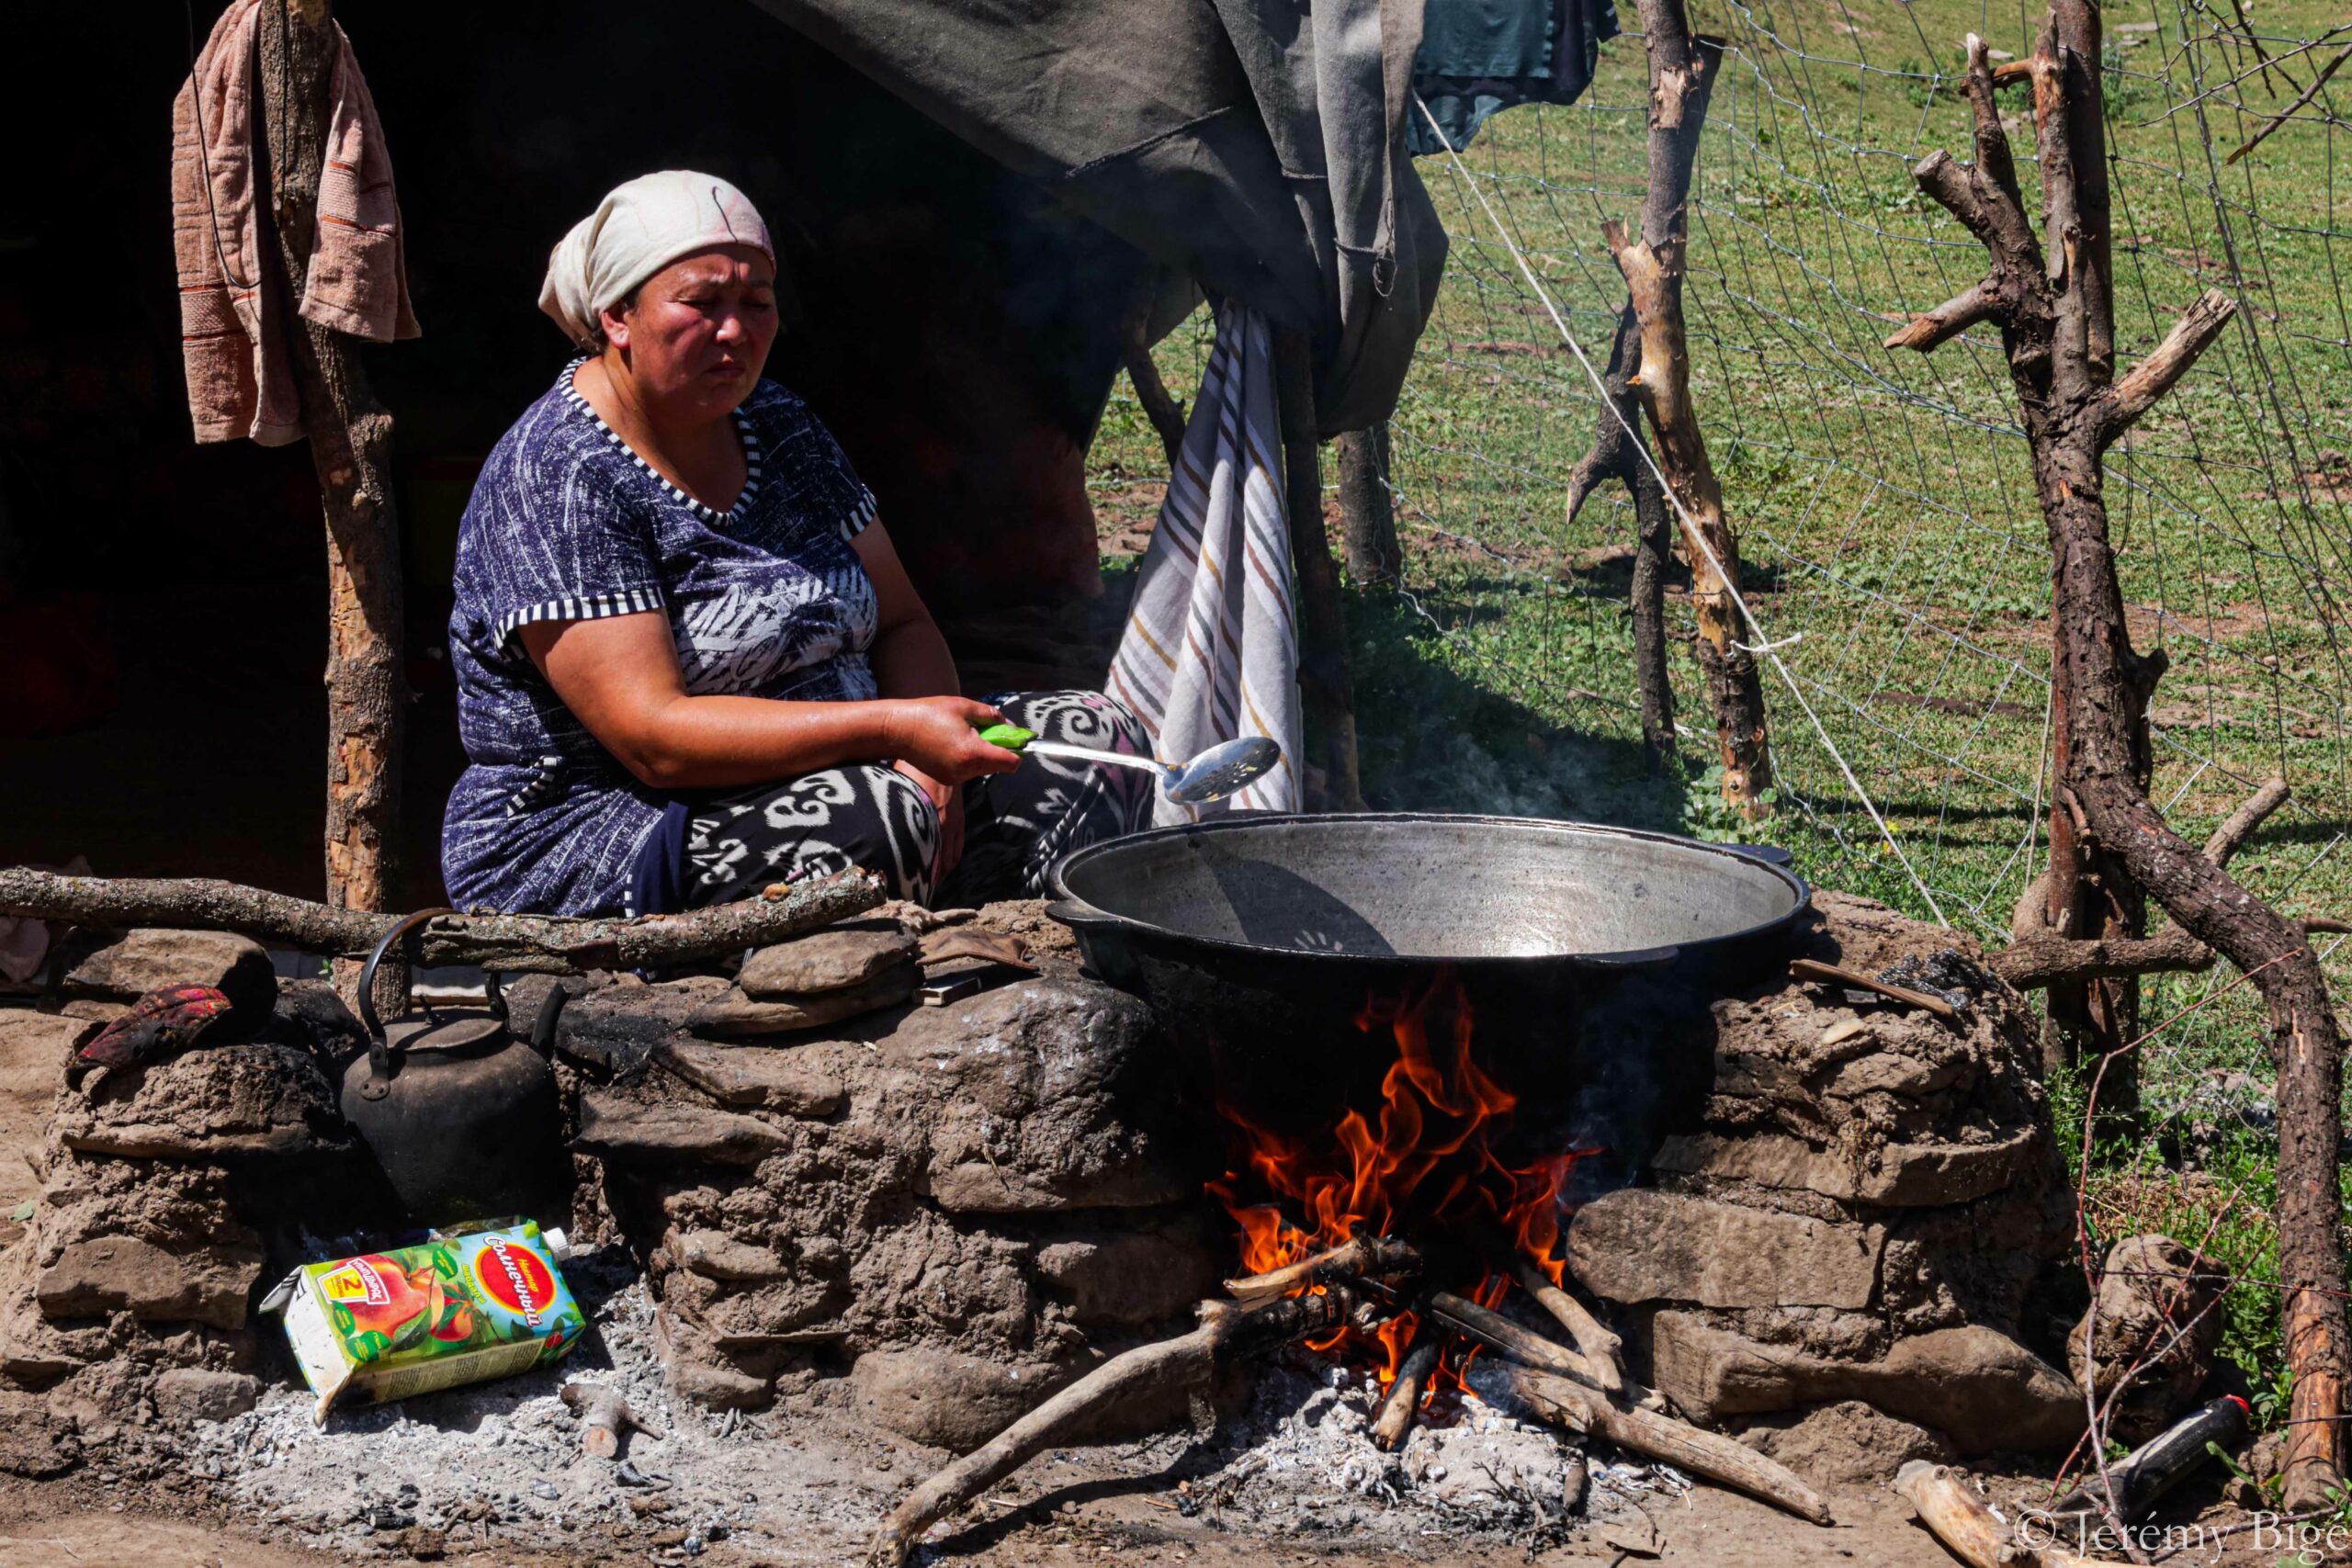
<point>1706,814</point>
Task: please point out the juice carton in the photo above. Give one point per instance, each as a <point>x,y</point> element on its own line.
<point>454,1309</point>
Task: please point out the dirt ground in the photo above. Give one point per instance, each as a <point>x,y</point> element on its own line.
<point>1073,1507</point>
<point>1088,1523</point>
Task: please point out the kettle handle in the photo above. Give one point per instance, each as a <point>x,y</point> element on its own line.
<point>380,1051</point>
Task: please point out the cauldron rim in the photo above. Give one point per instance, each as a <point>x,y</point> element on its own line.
<point>1074,910</point>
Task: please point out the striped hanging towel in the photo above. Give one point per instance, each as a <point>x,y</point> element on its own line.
<point>1210,648</point>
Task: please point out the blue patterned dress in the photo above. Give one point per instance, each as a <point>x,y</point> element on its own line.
<point>766,600</point>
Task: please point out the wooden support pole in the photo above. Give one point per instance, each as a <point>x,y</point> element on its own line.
<point>1325,683</point>
<point>350,435</point>
<point>1682,71</point>
<point>1617,452</point>
<point>2055,320</point>
<point>1365,508</point>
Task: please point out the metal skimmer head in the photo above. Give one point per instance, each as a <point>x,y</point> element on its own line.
<point>1221,769</point>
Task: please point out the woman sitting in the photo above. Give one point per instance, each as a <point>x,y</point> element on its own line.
<point>689,663</point>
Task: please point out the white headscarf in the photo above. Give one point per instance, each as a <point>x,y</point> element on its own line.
<point>638,228</point>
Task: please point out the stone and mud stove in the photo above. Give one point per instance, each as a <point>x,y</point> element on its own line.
<point>917,1177</point>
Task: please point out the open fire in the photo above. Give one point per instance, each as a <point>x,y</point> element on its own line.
<point>1426,1165</point>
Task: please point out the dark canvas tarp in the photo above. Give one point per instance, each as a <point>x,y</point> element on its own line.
<point>1252,146</point>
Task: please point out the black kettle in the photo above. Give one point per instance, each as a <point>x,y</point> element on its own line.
<point>461,1116</point>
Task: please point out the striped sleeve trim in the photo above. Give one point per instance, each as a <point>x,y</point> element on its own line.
<point>582,607</point>
<point>861,516</point>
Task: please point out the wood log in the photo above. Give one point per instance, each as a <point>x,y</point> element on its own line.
<point>1968,1528</point>
<point>1366,511</point>
<point>2053,324</point>
<point>1682,71</point>
<point>1708,1455</point>
<point>1325,685</point>
<point>350,435</point>
<point>1958,1518</point>
<point>1602,1350</point>
<point>1225,1330</point>
<point>1379,1256</point>
<point>512,945</point>
<point>1402,1403</point>
<point>1500,1334</point>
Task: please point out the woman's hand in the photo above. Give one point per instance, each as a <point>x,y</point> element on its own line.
<point>941,736</point>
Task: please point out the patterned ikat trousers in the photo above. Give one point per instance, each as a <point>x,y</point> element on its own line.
<point>870,815</point>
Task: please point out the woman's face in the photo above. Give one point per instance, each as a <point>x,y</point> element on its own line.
<point>698,334</point>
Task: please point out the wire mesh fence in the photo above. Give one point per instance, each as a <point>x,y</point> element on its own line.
<point>1893,553</point>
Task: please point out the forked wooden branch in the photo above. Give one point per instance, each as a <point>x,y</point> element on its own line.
<point>2058,331</point>
<point>2043,957</point>
<point>1225,1331</point>
<point>1647,1432</point>
<point>1616,452</point>
<point>1601,1350</point>
<point>1682,71</point>
<point>513,944</point>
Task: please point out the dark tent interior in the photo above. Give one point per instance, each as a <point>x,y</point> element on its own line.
<point>163,604</point>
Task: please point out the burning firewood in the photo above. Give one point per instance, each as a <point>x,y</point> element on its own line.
<point>1403,1401</point>
<point>1376,1256</point>
<point>1225,1330</point>
<point>1599,1348</point>
<point>1655,1435</point>
<point>1524,1345</point>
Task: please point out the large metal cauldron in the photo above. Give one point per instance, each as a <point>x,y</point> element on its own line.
<point>1588,954</point>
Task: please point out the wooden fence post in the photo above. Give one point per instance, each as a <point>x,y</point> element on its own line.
<point>1327,686</point>
<point>350,435</point>
<point>1682,71</point>
<point>2052,307</point>
<point>1365,508</point>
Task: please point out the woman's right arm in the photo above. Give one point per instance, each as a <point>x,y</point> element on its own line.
<point>619,676</point>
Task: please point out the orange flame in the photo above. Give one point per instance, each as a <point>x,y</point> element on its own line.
<point>1423,1162</point>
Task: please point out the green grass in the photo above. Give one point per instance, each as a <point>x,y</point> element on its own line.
<point>1883,503</point>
